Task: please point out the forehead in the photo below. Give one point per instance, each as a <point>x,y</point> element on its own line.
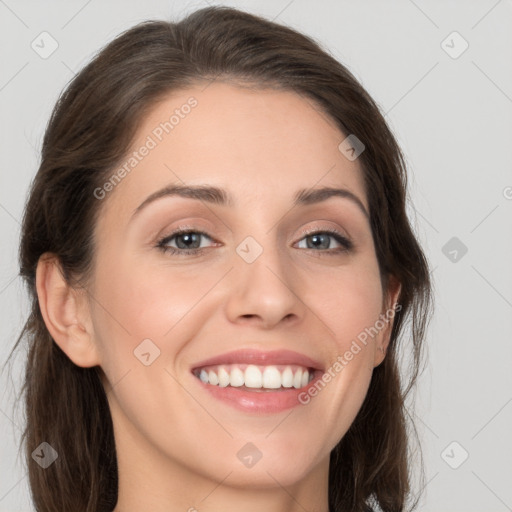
<point>260,143</point>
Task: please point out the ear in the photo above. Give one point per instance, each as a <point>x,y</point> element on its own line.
<point>388,313</point>
<point>65,311</point>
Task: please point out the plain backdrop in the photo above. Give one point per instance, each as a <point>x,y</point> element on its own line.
<point>441,71</point>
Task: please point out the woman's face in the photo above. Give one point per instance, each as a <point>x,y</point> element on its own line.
<point>257,281</point>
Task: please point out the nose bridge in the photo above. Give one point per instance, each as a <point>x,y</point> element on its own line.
<point>262,280</point>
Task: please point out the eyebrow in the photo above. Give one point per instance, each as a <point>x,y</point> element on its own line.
<point>219,196</point>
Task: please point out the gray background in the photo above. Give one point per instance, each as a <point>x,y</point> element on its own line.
<point>453,119</point>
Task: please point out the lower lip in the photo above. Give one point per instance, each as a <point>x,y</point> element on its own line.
<point>263,402</point>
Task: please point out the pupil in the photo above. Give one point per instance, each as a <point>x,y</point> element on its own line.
<point>317,238</point>
<point>187,237</point>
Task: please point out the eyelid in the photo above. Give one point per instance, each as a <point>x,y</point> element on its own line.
<point>324,229</point>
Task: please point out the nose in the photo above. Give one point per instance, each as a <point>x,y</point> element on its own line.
<point>264,292</point>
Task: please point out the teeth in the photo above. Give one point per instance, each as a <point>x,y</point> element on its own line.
<point>297,379</point>
<point>287,378</point>
<point>236,377</point>
<point>213,378</point>
<point>305,379</point>
<point>253,377</point>
<point>256,377</point>
<point>271,377</point>
<point>223,377</point>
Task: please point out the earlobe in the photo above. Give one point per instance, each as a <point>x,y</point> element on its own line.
<point>388,315</point>
<point>65,312</point>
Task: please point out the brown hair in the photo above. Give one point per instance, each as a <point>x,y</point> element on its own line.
<point>89,132</point>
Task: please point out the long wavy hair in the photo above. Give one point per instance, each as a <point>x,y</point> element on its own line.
<point>90,130</point>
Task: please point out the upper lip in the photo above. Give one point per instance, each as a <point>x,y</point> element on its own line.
<point>258,357</point>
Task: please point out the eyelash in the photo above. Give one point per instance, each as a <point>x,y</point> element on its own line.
<point>346,245</point>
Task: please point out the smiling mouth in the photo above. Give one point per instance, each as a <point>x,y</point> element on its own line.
<point>257,378</point>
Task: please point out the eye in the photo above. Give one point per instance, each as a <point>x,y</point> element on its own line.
<point>188,242</point>
<point>322,240</point>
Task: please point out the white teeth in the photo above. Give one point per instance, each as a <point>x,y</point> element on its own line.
<point>236,377</point>
<point>297,379</point>
<point>223,377</point>
<point>287,378</point>
<point>213,378</point>
<point>271,378</point>
<point>252,376</point>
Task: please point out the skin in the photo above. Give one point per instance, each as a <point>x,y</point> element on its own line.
<point>177,447</point>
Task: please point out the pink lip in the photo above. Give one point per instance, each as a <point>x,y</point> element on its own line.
<point>264,402</point>
<point>260,402</point>
<point>257,357</point>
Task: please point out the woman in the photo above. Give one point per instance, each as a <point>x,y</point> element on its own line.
<point>220,267</point>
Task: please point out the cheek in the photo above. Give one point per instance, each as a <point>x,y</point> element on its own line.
<point>348,301</point>
<point>135,302</point>
<point>352,304</point>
